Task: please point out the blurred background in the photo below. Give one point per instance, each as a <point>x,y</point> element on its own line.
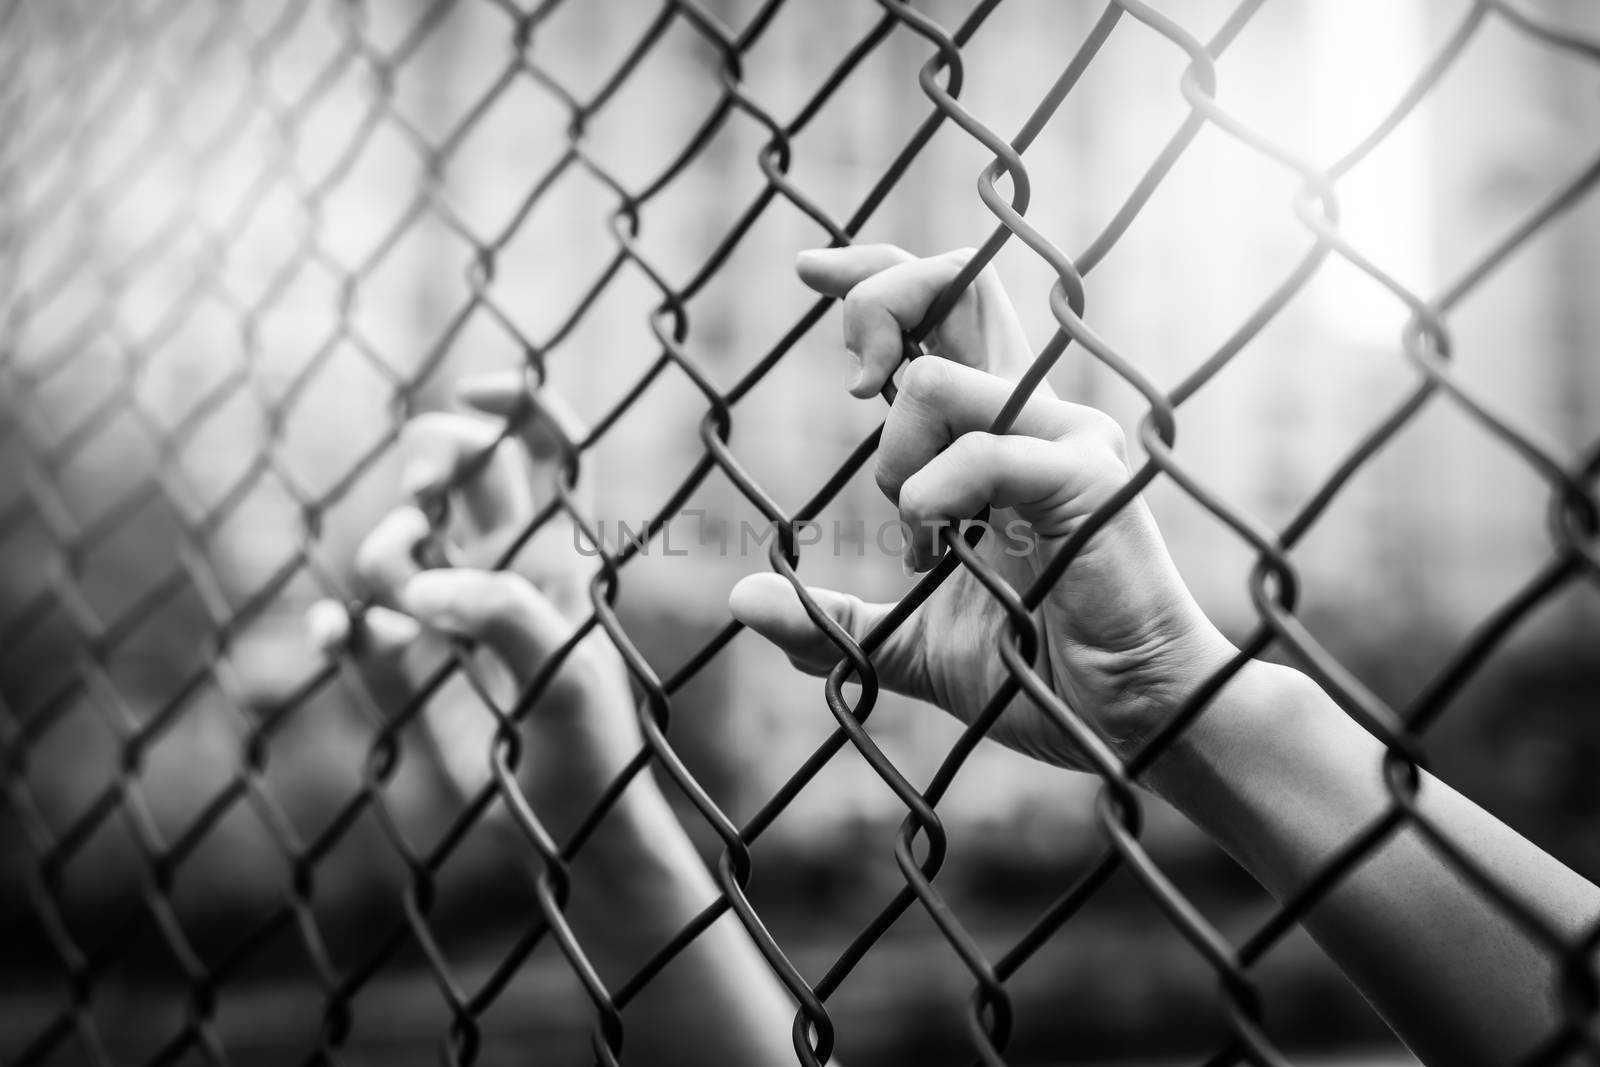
<point>243,240</point>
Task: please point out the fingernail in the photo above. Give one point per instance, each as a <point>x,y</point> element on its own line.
<point>908,565</point>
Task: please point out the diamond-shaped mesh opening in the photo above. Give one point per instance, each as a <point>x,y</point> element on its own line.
<point>519,132</point>
<point>356,228</point>
<point>519,268</point>
<point>1328,266</point>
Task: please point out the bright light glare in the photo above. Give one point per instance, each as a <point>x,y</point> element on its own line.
<point>1362,55</point>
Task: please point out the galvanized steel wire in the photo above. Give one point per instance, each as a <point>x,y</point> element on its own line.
<point>103,55</point>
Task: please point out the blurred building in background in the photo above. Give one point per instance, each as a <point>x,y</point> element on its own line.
<point>365,234</point>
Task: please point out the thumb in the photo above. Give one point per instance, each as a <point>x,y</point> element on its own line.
<point>768,604</point>
<point>502,610</point>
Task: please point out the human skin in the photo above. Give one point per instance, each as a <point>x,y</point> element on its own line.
<point>638,879</point>
<point>1273,770</point>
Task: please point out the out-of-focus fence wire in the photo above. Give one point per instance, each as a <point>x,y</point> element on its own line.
<point>85,90</point>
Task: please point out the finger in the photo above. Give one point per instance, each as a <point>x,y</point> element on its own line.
<point>379,646</point>
<point>980,329</point>
<point>984,331</point>
<point>327,626</point>
<point>939,401</point>
<point>443,451</point>
<point>543,421</point>
<point>1051,484</point>
<point>835,271</point>
<point>387,558</point>
<point>768,604</point>
<point>549,430</point>
<point>502,610</point>
<point>879,311</point>
<point>382,636</point>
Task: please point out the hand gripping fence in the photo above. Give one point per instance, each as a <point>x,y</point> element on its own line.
<point>68,72</point>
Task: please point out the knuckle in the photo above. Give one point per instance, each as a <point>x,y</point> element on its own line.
<point>1102,466</point>
<point>887,478</point>
<point>846,611</point>
<point>987,276</point>
<point>967,448</point>
<point>925,378</point>
<point>916,499</point>
<point>1105,431</point>
<point>1105,459</point>
<point>869,300</point>
<point>971,441</point>
<point>499,593</point>
<point>861,304</point>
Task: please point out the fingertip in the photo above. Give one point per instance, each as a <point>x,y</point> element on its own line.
<point>878,366</point>
<point>387,633</point>
<point>770,606</point>
<point>817,257</point>
<point>327,626</point>
<point>388,555</point>
<point>819,268</point>
<point>767,603</point>
<point>552,424</point>
<point>380,633</point>
<point>867,384</point>
<point>753,596</point>
<point>401,530</point>
<point>494,393</point>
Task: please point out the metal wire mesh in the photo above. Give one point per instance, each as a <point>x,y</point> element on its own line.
<point>74,73</point>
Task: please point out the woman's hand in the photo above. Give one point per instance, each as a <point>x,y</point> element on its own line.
<point>639,880</point>
<point>581,730</point>
<point>1121,639</point>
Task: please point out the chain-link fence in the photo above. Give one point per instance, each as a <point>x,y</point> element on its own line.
<point>244,241</point>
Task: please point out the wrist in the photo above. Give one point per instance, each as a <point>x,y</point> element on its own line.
<point>1149,686</point>
<point>1248,717</point>
<point>640,856</point>
<point>1273,768</point>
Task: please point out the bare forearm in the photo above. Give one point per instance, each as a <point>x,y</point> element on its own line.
<point>1281,778</point>
<point>716,1001</point>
